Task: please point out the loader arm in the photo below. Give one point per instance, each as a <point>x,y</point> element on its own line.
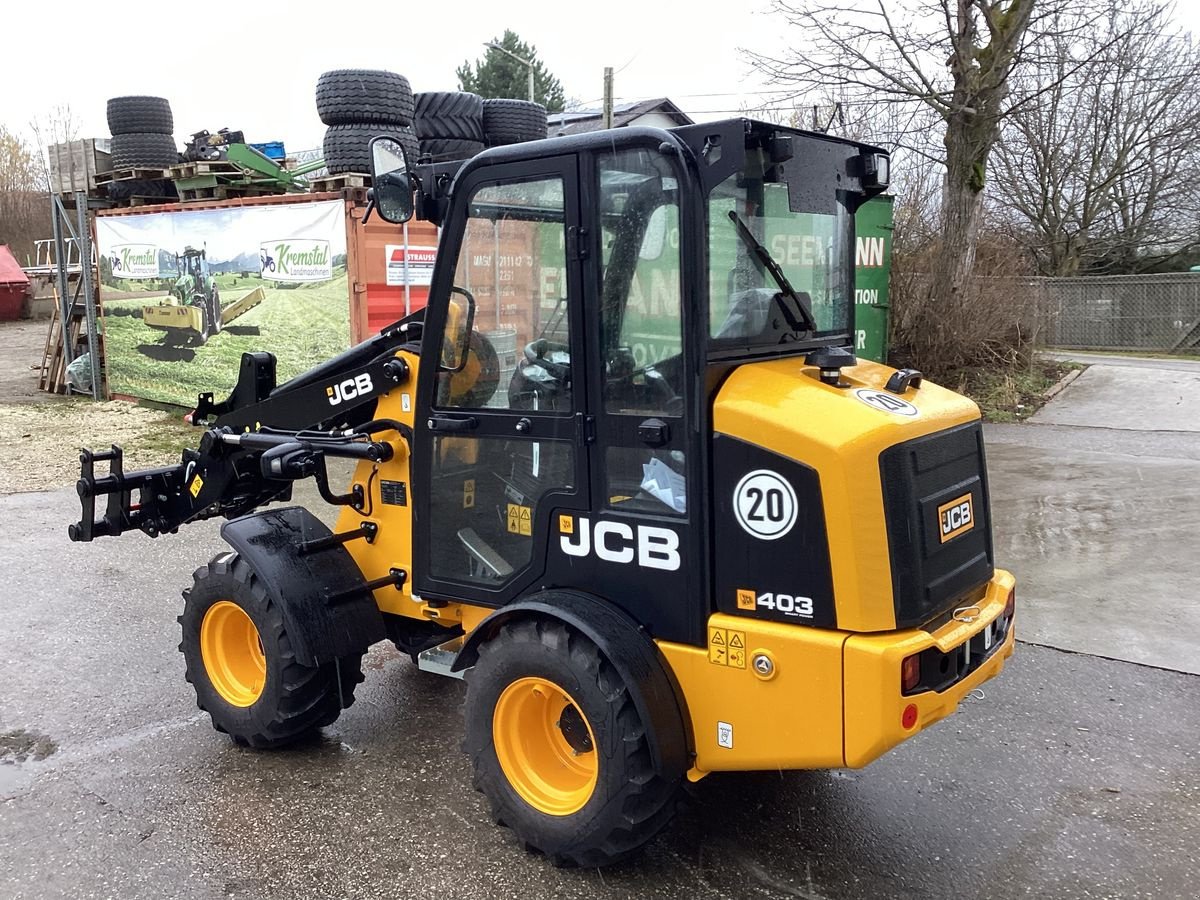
<point>258,442</point>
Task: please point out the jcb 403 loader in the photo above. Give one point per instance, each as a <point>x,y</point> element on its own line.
<point>622,474</point>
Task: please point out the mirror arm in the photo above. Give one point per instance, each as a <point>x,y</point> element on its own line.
<point>370,205</point>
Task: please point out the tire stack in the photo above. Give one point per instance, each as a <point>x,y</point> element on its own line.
<point>143,137</point>
<point>449,125</point>
<point>358,105</point>
<point>513,122</point>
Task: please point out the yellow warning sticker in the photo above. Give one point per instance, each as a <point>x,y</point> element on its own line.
<point>195,486</point>
<point>745,599</point>
<point>468,493</point>
<point>727,647</point>
<point>566,525</point>
<point>520,519</point>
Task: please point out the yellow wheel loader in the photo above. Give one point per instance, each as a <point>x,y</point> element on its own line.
<point>622,474</point>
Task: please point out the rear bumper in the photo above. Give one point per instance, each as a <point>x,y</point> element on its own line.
<point>832,699</point>
<point>874,708</point>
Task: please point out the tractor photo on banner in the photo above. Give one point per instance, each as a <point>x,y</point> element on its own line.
<point>185,293</point>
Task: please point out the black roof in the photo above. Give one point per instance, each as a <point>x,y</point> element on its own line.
<point>585,120</point>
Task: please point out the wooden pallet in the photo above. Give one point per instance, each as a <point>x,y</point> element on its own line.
<point>212,167</point>
<point>131,174</point>
<point>227,191</point>
<point>338,182</point>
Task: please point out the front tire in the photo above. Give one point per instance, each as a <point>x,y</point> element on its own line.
<point>559,749</point>
<point>240,661</point>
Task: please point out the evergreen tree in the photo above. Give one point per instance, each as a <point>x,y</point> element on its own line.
<point>498,75</point>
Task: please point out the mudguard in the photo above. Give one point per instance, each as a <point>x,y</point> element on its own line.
<point>326,604</point>
<point>630,650</point>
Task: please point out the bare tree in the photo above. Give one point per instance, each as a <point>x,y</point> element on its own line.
<point>1103,173</point>
<point>24,212</point>
<point>946,67</point>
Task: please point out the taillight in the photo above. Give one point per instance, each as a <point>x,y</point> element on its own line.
<point>910,673</point>
<point>1011,606</point>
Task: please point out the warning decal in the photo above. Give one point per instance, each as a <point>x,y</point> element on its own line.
<point>520,519</point>
<point>727,647</point>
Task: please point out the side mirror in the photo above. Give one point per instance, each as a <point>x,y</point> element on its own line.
<point>389,176</point>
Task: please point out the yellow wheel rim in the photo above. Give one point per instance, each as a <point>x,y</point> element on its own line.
<point>233,654</point>
<point>545,746</point>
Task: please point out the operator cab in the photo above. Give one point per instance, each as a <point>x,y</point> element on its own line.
<point>590,295</point>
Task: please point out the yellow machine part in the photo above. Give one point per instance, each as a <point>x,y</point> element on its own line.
<point>169,316</point>
<point>393,545</point>
<point>831,699</point>
<point>783,407</point>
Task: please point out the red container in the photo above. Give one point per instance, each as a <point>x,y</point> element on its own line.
<point>12,296</point>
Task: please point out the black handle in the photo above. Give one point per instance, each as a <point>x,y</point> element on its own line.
<point>654,432</point>
<point>453,424</point>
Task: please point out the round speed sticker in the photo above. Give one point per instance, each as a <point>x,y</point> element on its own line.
<point>765,504</point>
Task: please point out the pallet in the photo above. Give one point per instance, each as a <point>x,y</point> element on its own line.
<point>206,167</point>
<point>339,182</point>
<point>140,174</point>
<point>227,191</point>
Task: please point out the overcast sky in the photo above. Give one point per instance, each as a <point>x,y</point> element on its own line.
<point>254,66</point>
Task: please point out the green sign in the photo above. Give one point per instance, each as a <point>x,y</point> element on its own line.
<point>873,265</point>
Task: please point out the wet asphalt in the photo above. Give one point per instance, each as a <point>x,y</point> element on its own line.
<point>1073,774</point>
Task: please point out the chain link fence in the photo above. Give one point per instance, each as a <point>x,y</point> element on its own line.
<point>1122,312</point>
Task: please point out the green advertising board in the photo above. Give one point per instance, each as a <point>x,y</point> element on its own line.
<point>873,266</point>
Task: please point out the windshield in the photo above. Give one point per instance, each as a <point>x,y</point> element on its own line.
<point>779,264</point>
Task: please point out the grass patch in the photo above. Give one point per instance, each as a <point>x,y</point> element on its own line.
<point>301,325</point>
<point>1011,395</point>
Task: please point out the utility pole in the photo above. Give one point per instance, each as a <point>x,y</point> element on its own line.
<point>492,45</point>
<point>608,97</point>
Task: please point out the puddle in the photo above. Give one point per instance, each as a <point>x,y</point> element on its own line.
<point>19,745</point>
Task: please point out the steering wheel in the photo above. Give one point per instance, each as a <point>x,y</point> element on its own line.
<point>535,352</point>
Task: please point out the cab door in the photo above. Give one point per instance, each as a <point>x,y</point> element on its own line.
<point>500,442</point>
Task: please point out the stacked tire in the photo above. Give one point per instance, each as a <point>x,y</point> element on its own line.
<point>143,137</point>
<point>449,125</point>
<point>513,122</point>
<point>361,104</point>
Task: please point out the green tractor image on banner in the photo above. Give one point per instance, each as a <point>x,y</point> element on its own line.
<point>193,311</point>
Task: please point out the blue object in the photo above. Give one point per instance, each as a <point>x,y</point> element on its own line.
<point>271,149</point>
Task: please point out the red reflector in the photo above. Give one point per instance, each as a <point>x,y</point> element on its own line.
<point>909,717</point>
<point>910,673</point>
<point>1011,606</point>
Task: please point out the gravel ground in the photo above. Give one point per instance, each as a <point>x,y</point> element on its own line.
<point>39,442</point>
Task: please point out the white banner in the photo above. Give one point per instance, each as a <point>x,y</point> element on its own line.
<point>410,265</point>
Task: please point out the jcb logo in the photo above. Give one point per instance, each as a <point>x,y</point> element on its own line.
<point>349,389</point>
<point>652,547</point>
<point>956,517</point>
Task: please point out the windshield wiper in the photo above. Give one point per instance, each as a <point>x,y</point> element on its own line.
<point>767,261</point>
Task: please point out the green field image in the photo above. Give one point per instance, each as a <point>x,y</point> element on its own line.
<point>301,324</point>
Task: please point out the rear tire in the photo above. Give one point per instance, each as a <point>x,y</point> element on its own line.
<point>455,115</point>
<point>349,96</point>
<point>241,663</point>
<point>513,121</point>
<point>143,151</point>
<point>559,749</point>
<point>134,115</point>
<point>445,149</point>
<point>347,147</point>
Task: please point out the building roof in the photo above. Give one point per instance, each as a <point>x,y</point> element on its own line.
<point>10,269</point>
<point>584,120</point>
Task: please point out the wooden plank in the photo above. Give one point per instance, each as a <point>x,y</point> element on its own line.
<point>141,174</point>
<point>341,181</point>
<point>210,167</point>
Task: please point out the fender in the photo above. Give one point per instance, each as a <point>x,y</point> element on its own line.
<point>630,650</point>
<point>326,605</point>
